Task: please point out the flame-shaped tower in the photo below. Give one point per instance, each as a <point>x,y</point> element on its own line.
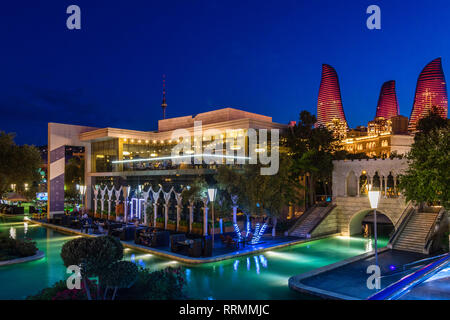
<point>329,105</point>
<point>431,91</point>
<point>387,102</point>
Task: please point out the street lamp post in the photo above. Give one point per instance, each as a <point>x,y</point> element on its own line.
<point>212,196</point>
<point>374,197</point>
<point>82,192</point>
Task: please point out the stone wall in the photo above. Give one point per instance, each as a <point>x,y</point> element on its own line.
<point>329,225</point>
<point>352,210</point>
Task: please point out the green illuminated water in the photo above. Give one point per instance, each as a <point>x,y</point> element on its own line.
<point>262,276</point>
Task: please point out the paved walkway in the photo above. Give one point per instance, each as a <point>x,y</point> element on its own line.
<point>220,252</point>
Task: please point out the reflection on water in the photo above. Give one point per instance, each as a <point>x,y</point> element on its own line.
<point>260,276</point>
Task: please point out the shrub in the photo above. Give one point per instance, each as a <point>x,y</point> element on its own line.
<point>136,283</point>
<point>15,248</point>
<point>121,274</point>
<point>160,220</point>
<point>167,284</point>
<point>171,222</point>
<point>59,291</point>
<point>183,223</point>
<point>228,224</point>
<point>93,255</point>
<point>197,225</point>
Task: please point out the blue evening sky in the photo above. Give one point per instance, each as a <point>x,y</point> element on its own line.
<point>261,56</point>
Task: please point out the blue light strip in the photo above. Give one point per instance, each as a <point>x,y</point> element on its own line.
<point>248,227</point>
<point>259,234</point>
<point>238,232</point>
<point>257,229</point>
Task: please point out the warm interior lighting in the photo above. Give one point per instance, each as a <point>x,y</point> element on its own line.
<point>126,153</point>
<point>153,154</point>
<point>235,147</point>
<point>258,150</point>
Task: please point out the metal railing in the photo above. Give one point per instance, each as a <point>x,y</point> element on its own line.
<point>401,223</point>
<point>429,238</point>
<point>323,215</point>
<point>301,218</point>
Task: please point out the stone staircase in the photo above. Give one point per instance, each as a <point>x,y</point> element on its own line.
<point>304,229</point>
<point>414,235</point>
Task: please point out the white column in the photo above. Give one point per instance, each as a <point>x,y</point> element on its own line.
<point>395,185</point>
<point>345,185</point>
<point>125,210</point>
<point>385,186</point>
<point>179,199</point>
<point>155,213</point>
<point>205,220</point>
<point>358,186</point>
<point>166,214</point>
<point>109,208</point>
<point>191,215</point>
<point>179,208</point>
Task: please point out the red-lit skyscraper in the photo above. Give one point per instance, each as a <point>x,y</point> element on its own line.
<point>387,102</point>
<point>431,91</point>
<point>329,105</point>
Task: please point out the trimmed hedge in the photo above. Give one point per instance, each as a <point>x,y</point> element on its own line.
<point>15,248</point>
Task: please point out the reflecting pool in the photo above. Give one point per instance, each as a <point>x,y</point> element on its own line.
<point>260,276</point>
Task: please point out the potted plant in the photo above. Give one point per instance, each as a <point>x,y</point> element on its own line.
<point>112,216</point>
<point>216,227</point>
<point>228,226</point>
<point>171,225</point>
<point>160,223</point>
<point>197,228</point>
<point>183,227</point>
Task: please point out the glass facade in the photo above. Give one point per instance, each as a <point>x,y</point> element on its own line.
<point>148,155</point>
<point>103,153</point>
